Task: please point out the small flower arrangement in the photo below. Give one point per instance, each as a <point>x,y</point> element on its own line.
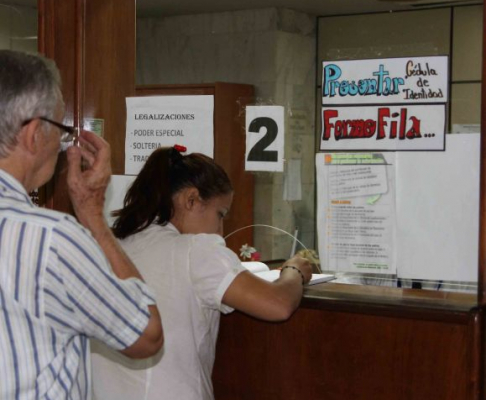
<point>249,253</point>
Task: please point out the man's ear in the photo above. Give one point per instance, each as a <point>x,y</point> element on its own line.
<point>29,136</point>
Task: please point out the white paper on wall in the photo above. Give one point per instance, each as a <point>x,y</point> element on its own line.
<point>264,138</point>
<point>386,80</point>
<point>160,121</point>
<point>115,194</point>
<point>432,226</point>
<point>292,190</point>
<point>438,211</point>
<point>386,127</point>
<point>356,212</point>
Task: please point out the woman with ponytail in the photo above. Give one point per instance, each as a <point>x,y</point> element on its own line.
<point>171,226</point>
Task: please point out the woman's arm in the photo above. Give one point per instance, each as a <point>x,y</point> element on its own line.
<point>270,301</point>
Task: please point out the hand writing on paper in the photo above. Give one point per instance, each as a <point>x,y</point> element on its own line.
<point>303,265</point>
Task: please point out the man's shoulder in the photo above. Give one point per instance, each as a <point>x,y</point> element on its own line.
<point>49,214</point>
<point>51,219</point>
<point>23,211</point>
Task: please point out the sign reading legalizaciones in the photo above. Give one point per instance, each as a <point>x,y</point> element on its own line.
<point>163,121</point>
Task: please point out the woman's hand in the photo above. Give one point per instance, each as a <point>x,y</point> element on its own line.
<point>301,264</point>
<point>270,301</point>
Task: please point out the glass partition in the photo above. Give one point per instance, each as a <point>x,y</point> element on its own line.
<point>18,31</point>
<point>281,52</point>
<point>424,234</point>
<point>18,25</point>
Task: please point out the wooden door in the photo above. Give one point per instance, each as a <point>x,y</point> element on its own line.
<point>93,44</point>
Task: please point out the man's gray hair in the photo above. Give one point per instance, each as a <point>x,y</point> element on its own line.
<point>29,88</point>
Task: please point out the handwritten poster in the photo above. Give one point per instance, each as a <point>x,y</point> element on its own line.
<point>400,128</point>
<point>395,104</point>
<point>386,81</point>
<point>356,212</point>
<point>160,121</point>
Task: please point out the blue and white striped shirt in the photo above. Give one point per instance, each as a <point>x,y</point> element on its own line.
<point>56,290</point>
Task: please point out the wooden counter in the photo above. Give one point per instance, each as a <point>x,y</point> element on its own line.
<point>355,342</point>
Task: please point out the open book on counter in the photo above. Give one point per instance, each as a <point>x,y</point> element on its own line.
<point>262,271</point>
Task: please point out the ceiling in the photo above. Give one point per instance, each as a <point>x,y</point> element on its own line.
<point>26,3</point>
<point>147,8</point>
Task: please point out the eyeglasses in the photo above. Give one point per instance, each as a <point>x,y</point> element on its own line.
<point>68,132</point>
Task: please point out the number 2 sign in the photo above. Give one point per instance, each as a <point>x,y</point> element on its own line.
<point>264,138</point>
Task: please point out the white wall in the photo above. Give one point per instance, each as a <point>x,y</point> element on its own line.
<point>272,49</point>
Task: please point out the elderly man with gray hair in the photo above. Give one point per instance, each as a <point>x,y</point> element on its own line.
<point>61,281</point>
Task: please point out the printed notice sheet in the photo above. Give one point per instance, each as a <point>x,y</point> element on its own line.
<point>356,212</point>
<point>160,121</point>
<point>413,214</point>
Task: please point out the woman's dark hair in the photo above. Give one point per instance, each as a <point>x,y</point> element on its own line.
<point>165,172</point>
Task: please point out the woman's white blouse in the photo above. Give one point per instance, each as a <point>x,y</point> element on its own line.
<point>189,275</point>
